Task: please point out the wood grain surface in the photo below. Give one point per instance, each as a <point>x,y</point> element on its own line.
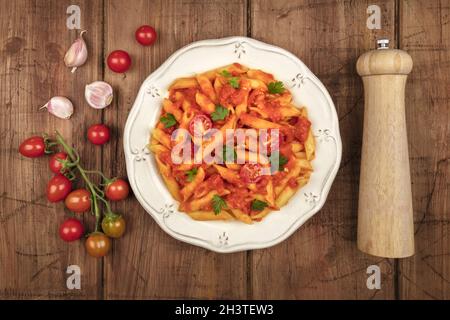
<point>321,259</point>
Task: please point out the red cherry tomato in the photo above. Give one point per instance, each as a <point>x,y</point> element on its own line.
<point>33,147</point>
<point>146,35</point>
<point>78,201</point>
<point>119,61</point>
<point>58,188</point>
<point>98,134</point>
<point>55,165</point>
<point>250,173</point>
<point>117,190</point>
<point>71,230</point>
<point>199,125</point>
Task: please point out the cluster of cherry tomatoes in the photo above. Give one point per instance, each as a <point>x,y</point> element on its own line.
<point>120,61</point>
<point>60,188</point>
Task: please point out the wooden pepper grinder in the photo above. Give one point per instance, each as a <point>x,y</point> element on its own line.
<point>385,214</point>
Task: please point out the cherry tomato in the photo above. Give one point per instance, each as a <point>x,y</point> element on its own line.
<point>250,172</point>
<point>58,188</point>
<point>119,61</point>
<point>98,134</point>
<point>117,190</point>
<point>78,201</point>
<point>199,125</point>
<point>71,230</point>
<point>146,35</point>
<point>97,245</point>
<point>33,147</point>
<point>113,227</point>
<point>55,165</point>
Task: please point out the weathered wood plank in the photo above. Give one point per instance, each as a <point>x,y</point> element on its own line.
<point>425,34</point>
<point>321,259</point>
<point>33,40</point>
<point>150,263</point>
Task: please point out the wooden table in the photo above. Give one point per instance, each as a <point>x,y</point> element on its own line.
<point>321,259</point>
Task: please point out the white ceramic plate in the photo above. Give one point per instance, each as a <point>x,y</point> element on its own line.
<point>220,236</point>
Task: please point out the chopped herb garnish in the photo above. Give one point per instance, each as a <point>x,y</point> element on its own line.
<point>218,204</point>
<point>168,120</point>
<point>225,73</point>
<point>220,113</point>
<point>282,161</point>
<point>275,87</point>
<point>234,82</point>
<point>258,205</point>
<point>191,174</point>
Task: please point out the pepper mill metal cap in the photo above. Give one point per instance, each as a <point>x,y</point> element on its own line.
<point>383,43</point>
<point>384,61</point>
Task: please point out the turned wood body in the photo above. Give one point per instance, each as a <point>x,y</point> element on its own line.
<point>385,214</point>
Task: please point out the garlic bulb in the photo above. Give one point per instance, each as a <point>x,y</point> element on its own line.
<point>76,56</point>
<point>60,107</point>
<point>98,94</point>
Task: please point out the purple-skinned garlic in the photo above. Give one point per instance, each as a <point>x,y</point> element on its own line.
<point>98,94</point>
<point>60,107</point>
<point>77,54</point>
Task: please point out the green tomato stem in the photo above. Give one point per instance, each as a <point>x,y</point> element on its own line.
<point>96,193</point>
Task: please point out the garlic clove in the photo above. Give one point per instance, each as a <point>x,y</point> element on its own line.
<point>60,107</point>
<point>77,54</point>
<point>98,94</point>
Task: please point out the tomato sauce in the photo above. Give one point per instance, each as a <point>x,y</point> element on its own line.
<point>273,110</point>
<point>278,177</point>
<point>181,177</point>
<point>292,183</point>
<point>261,185</point>
<point>256,97</point>
<point>301,129</point>
<point>226,93</point>
<point>189,95</point>
<point>214,182</point>
<point>239,199</point>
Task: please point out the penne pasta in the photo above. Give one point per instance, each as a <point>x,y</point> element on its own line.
<point>162,137</point>
<point>257,123</point>
<point>188,190</point>
<point>184,83</point>
<point>205,103</point>
<point>169,107</point>
<point>210,215</point>
<point>169,180</point>
<point>260,75</point>
<point>220,117</point>
<point>240,215</point>
<point>310,146</point>
<point>206,87</point>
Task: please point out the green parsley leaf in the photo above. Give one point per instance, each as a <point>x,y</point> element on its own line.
<point>218,204</point>
<point>258,205</point>
<point>219,113</point>
<point>225,73</point>
<point>282,161</point>
<point>234,82</point>
<point>229,154</point>
<point>191,174</point>
<point>275,87</point>
<point>168,120</point>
